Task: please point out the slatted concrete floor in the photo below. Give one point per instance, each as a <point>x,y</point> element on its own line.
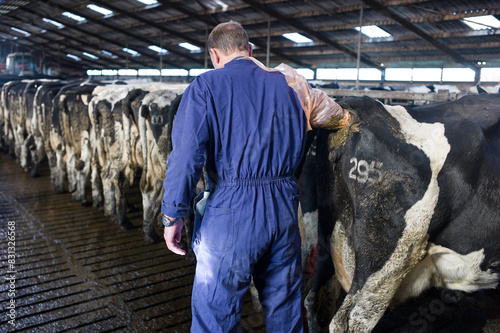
<point>77,272</point>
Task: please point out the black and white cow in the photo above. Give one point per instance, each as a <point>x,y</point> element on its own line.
<point>31,156</point>
<point>110,159</point>
<point>155,127</point>
<point>58,172</point>
<point>14,116</point>
<point>43,104</point>
<point>409,200</point>
<point>75,122</point>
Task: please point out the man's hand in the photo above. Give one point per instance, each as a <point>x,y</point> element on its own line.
<point>172,237</point>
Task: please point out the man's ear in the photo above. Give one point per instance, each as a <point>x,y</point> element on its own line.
<point>250,50</point>
<point>215,57</point>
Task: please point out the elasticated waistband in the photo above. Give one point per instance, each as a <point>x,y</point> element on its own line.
<point>253,181</point>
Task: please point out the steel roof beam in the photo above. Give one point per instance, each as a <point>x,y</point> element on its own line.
<point>41,49</point>
<point>409,26</point>
<point>212,22</point>
<point>83,42</point>
<point>150,23</point>
<point>49,47</point>
<point>111,41</point>
<point>134,36</point>
<point>268,10</point>
<point>67,44</point>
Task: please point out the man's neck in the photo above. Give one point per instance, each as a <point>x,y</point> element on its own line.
<point>232,56</point>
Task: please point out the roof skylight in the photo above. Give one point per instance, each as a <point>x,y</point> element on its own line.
<point>297,38</point>
<point>132,52</point>
<point>190,47</point>
<point>109,54</point>
<point>25,33</point>
<point>91,56</point>
<point>373,31</point>
<point>148,2</point>
<point>73,16</point>
<point>157,49</point>
<point>482,22</point>
<point>72,56</point>
<point>100,10</point>
<point>57,24</point>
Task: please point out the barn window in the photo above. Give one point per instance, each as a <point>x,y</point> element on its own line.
<point>174,72</point>
<point>458,75</point>
<point>326,73</point>
<point>198,71</point>
<point>306,72</point>
<point>427,74</point>
<point>93,72</point>
<point>149,72</point>
<point>490,74</point>
<point>127,72</point>
<point>370,74</point>
<point>398,74</point>
<point>109,72</point>
<point>347,74</point>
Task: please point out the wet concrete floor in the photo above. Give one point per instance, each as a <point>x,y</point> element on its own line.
<point>74,271</point>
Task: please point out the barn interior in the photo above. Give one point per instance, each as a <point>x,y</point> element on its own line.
<point>75,271</point>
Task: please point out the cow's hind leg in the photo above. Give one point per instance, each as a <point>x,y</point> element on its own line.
<point>364,307</point>
<point>121,187</point>
<point>149,198</point>
<point>97,189</point>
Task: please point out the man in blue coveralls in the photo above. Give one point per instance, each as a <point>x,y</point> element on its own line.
<point>250,126</point>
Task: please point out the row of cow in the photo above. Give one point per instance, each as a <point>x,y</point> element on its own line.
<point>103,137</point>
<point>398,201</point>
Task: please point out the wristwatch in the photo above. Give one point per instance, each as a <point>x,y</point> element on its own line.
<point>168,223</point>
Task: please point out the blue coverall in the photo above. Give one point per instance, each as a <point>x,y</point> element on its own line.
<point>250,126</point>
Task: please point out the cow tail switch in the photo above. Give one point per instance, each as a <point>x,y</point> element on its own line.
<point>321,111</point>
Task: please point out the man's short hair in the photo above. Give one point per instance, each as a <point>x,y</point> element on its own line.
<point>228,37</point>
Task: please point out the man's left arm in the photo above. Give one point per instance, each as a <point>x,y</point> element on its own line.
<point>190,136</point>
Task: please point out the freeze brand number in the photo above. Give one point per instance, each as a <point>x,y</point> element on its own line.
<point>364,172</point>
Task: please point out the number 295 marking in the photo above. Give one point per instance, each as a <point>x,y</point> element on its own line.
<point>363,172</point>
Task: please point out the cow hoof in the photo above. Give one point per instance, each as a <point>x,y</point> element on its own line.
<point>131,208</point>
<point>152,237</point>
<point>126,224</point>
<point>85,203</point>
